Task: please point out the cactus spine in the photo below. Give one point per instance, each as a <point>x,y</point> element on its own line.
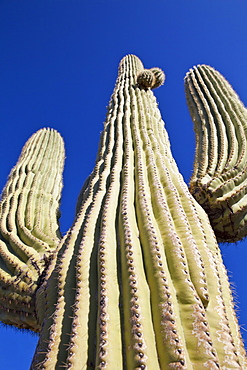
<point>138,281</point>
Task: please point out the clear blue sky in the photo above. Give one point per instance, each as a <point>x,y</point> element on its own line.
<point>58,65</point>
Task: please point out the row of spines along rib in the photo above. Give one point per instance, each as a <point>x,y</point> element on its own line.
<point>219,179</point>
<point>138,282</point>
<point>28,225</point>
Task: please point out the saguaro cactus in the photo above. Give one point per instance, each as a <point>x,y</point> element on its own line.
<point>138,281</point>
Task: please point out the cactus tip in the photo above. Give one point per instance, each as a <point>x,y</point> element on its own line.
<point>159,77</point>
<point>146,78</point>
<point>151,78</point>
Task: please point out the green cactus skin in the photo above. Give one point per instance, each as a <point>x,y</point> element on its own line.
<point>29,231</point>
<point>219,179</point>
<point>138,281</point>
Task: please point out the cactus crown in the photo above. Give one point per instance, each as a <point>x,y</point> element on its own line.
<point>151,78</point>
<point>146,78</point>
<point>159,77</point>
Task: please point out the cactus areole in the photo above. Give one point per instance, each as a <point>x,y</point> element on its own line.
<point>138,281</point>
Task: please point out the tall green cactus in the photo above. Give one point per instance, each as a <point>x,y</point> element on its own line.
<point>138,281</point>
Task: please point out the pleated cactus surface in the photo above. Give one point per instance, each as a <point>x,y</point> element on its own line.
<point>219,181</point>
<point>29,230</point>
<point>138,281</point>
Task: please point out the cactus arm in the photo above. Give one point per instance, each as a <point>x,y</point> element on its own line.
<point>32,191</point>
<point>29,184</point>
<point>219,179</point>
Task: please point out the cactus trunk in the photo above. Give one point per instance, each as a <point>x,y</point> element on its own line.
<point>138,281</point>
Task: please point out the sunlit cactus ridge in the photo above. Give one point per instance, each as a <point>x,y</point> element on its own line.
<point>220,170</point>
<point>29,230</point>
<point>138,280</point>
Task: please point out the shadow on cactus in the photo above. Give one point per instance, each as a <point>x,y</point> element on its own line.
<point>138,281</point>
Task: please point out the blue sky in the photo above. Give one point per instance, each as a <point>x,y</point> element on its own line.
<point>58,65</point>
